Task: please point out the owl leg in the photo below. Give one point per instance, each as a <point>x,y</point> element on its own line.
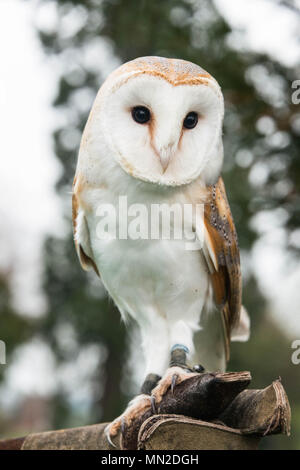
<point>179,358</point>
<point>181,335</point>
<point>156,349</point>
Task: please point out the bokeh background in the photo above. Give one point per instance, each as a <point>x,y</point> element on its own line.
<point>69,359</point>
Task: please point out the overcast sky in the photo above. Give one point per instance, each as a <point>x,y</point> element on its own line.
<point>29,207</point>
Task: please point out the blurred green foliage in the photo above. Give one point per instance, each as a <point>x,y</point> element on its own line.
<point>261,171</point>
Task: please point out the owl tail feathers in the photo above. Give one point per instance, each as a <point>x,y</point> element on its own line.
<point>241,332</point>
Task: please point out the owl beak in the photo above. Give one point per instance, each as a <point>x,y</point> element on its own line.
<point>165,154</point>
<point>164,160</point>
<point>165,145</point>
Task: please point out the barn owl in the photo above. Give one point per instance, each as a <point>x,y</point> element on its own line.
<point>154,135</point>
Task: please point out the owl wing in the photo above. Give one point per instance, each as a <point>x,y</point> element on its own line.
<point>81,232</point>
<point>221,253</point>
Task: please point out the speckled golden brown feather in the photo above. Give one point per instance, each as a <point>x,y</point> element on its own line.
<point>226,279</point>
<point>175,71</point>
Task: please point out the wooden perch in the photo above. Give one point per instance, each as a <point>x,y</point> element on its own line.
<point>209,411</point>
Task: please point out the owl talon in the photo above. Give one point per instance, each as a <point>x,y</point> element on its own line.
<point>173,383</point>
<point>123,425</point>
<point>107,435</point>
<point>153,405</point>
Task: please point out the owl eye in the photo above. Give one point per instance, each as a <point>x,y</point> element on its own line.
<point>190,120</point>
<point>140,114</point>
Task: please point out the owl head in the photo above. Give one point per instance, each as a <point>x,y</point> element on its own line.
<point>160,120</point>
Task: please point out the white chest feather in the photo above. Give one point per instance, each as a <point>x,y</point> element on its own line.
<point>144,275</point>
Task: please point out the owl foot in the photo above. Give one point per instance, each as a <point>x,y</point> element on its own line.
<point>135,410</point>
<point>174,376</point>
